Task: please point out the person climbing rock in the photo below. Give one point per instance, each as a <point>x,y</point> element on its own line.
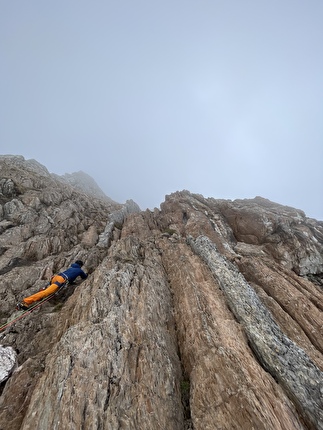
<point>56,282</point>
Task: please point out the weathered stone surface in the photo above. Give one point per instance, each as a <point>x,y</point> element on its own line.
<point>121,335</point>
<point>284,232</point>
<point>284,360</point>
<point>84,183</point>
<point>115,222</point>
<point>8,360</point>
<point>206,314</point>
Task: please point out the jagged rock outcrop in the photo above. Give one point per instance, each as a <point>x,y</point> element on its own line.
<point>115,223</point>
<point>8,361</point>
<point>84,183</point>
<point>205,314</point>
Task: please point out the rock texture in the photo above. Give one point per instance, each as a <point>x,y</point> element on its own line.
<point>205,314</point>
<point>8,361</point>
<point>84,183</point>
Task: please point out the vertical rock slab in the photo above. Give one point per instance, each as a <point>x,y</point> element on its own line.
<point>228,387</point>
<point>116,365</point>
<point>282,358</point>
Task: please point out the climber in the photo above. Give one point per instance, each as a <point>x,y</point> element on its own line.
<point>56,282</point>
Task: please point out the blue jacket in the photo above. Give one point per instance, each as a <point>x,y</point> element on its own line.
<point>73,272</point>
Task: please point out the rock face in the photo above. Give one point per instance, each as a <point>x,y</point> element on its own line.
<point>84,183</point>
<point>8,361</point>
<point>206,314</point>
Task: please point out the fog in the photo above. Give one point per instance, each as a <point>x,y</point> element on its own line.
<point>224,99</point>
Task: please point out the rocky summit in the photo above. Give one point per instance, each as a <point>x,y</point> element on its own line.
<point>204,314</point>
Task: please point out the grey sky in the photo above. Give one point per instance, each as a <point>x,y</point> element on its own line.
<point>222,98</point>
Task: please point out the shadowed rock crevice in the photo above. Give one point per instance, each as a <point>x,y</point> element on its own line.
<point>15,262</point>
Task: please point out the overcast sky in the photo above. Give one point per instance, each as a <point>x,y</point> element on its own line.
<point>222,98</point>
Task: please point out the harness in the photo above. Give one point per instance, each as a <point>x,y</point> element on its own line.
<point>59,284</point>
<point>63,276</point>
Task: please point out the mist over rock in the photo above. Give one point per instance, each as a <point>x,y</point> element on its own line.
<point>83,182</point>
<point>20,162</point>
<point>205,314</point>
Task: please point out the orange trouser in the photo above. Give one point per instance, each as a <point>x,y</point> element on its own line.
<point>56,282</point>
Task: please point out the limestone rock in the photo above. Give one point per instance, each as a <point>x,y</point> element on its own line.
<point>115,222</point>
<point>29,165</point>
<point>206,314</point>
<point>84,183</point>
<point>8,361</point>
<point>284,360</point>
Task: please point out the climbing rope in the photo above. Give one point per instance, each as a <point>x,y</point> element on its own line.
<point>31,308</point>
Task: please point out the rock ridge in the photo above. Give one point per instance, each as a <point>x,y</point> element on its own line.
<point>285,361</point>
<point>205,314</point>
